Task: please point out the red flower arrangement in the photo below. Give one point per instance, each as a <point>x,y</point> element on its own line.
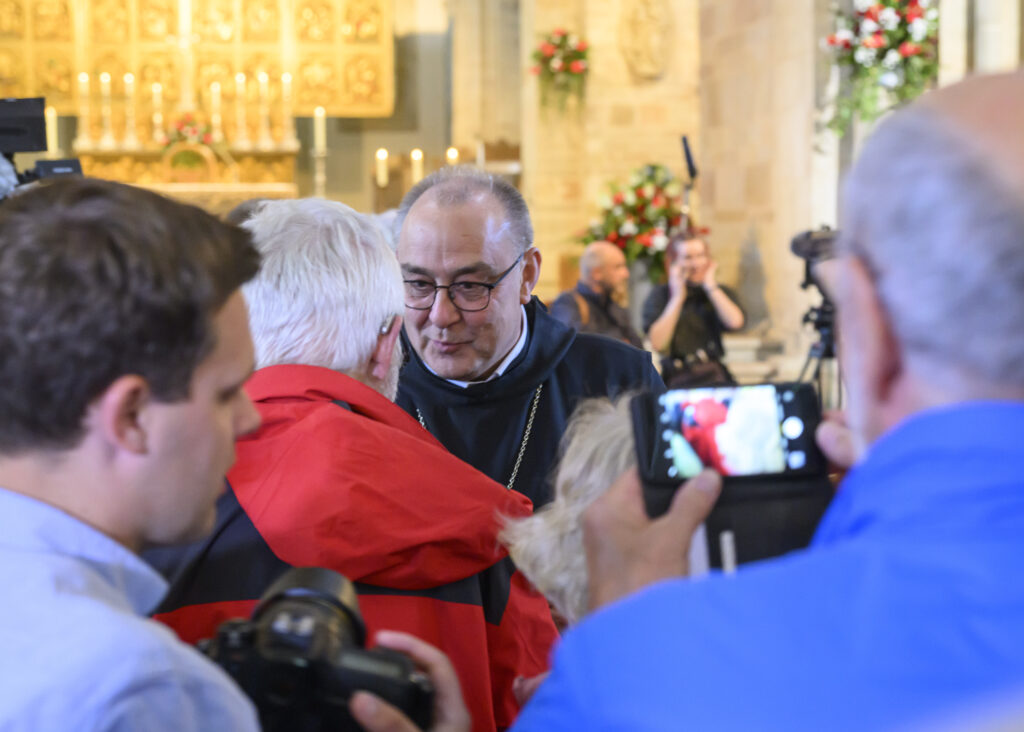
<point>891,49</point>
<point>561,67</point>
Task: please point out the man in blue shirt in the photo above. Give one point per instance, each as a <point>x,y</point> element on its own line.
<point>909,602</point>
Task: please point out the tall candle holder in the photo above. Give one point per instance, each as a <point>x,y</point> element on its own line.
<point>319,173</point>
<point>83,139</point>
<point>158,114</point>
<point>216,122</point>
<point>131,138</point>
<point>264,141</point>
<point>107,136</point>
<point>288,136</point>
<point>52,145</point>
<point>241,128</point>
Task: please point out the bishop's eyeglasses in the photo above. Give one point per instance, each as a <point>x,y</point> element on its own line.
<point>469,297</point>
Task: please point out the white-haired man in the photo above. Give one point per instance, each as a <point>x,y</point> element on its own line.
<point>340,477</point>
<point>491,374</point>
<point>908,602</point>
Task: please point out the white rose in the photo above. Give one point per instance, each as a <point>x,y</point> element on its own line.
<point>628,228</point>
<point>890,80</point>
<point>918,30</point>
<point>864,56</point>
<point>861,6</point>
<point>844,35</point>
<point>659,242</point>
<point>630,198</point>
<point>573,41</point>
<point>932,14</point>
<point>617,211</point>
<point>889,19</point>
<point>868,27</point>
<point>924,3</point>
<point>673,189</point>
<point>556,63</point>
<point>604,202</point>
<point>892,59</point>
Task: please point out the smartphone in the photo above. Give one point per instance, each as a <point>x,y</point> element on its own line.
<point>759,437</point>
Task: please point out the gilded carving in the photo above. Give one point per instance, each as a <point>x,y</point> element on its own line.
<point>362,20</point>
<point>362,80</point>
<point>314,21</point>
<point>51,20</point>
<point>112,62</point>
<point>270,64</point>
<point>214,21</point>
<point>646,36</point>
<point>158,19</point>
<point>211,68</point>
<point>262,20</point>
<point>109,21</point>
<point>159,67</point>
<point>317,81</point>
<point>12,19</point>
<point>12,74</point>
<point>53,76</point>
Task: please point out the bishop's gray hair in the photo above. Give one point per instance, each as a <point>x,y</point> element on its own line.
<point>455,185</point>
<point>944,238</point>
<point>329,282</point>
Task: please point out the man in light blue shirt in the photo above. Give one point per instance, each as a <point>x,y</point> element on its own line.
<point>125,345</point>
<point>910,603</point>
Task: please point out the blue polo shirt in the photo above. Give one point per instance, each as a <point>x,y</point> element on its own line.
<point>909,602</point>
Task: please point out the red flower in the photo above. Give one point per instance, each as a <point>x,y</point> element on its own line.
<point>558,32</point>
<point>658,200</point>
<point>582,46</point>
<point>639,191</point>
<point>676,220</point>
<point>547,50</point>
<point>613,236</point>
<point>535,70</point>
<point>872,12</point>
<point>832,40</point>
<point>644,239</point>
<point>875,41</point>
<point>207,138</point>
<point>909,49</point>
<point>618,198</point>
<point>578,67</point>
<point>914,12</point>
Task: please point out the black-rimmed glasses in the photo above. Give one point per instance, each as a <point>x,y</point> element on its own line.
<point>469,297</point>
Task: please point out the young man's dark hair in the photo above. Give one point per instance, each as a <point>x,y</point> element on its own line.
<point>100,279</point>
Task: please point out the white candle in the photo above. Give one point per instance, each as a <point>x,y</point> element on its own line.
<point>319,130</point>
<point>241,131</point>
<point>105,87</point>
<point>83,107</point>
<point>287,118</point>
<point>416,156</point>
<point>130,137</point>
<point>158,113</point>
<point>51,132</point>
<point>382,168</point>
<point>264,109</point>
<point>452,156</point>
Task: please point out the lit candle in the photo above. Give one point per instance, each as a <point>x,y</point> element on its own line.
<point>264,109</point>
<point>241,131</point>
<point>287,120</point>
<point>51,132</point>
<point>319,130</point>
<point>452,156</point>
<point>107,136</point>
<point>83,108</point>
<point>105,87</point>
<point>416,156</point>
<point>130,138</point>
<point>158,113</point>
<point>382,168</point>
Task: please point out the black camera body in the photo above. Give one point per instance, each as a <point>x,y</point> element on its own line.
<point>301,657</point>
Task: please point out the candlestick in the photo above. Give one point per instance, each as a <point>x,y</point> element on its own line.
<point>51,133</point>
<point>107,136</point>
<point>82,139</point>
<point>131,140</point>
<point>158,114</point>
<point>288,118</point>
<point>241,129</point>
<point>481,154</point>
<point>416,157</point>
<point>215,118</point>
<point>382,168</point>
<point>451,155</point>
<point>265,141</point>
<point>319,173</point>
<point>319,130</point>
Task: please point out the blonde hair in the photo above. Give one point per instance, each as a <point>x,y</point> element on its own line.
<point>548,546</point>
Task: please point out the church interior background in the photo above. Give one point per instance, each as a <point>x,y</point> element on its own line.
<point>282,98</point>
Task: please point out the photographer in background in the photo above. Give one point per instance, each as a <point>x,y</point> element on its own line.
<point>685,317</point>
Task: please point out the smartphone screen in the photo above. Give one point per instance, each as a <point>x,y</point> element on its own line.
<point>763,429</point>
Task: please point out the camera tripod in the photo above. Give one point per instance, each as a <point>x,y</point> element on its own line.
<point>821,367</point>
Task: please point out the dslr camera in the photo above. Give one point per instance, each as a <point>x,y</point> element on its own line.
<point>301,657</point>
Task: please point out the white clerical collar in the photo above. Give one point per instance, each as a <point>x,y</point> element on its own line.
<point>505,362</point>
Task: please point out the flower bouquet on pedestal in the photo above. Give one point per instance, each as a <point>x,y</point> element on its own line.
<point>561,68</point>
<point>891,49</point>
<point>188,129</point>
<point>641,217</point>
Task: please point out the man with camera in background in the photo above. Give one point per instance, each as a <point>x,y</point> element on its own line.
<point>125,345</point>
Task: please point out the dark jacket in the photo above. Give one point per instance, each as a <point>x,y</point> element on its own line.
<point>591,312</point>
<point>484,423</point>
<point>339,477</point>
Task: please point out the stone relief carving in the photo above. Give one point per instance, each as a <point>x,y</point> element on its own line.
<point>157,19</point>
<point>362,80</point>
<point>314,21</point>
<point>51,20</point>
<point>317,80</point>
<point>109,21</point>
<point>362,20</point>
<point>53,75</point>
<point>645,36</point>
<point>214,21</point>
<point>12,19</point>
<point>12,74</point>
<point>262,20</point>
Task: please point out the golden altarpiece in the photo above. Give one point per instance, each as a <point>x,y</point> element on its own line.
<point>198,97</point>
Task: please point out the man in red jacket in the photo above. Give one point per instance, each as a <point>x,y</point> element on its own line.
<point>340,477</point>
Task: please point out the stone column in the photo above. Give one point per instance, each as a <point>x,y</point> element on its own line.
<point>953,41</point>
<point>997,35</point>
